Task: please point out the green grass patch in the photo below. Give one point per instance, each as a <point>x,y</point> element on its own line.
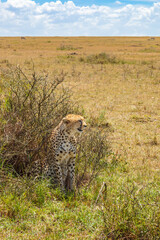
<point>129,208</point>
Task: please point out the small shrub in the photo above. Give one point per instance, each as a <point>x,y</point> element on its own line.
<point>4,61</point>
<point>66,47</point>
<point>101,58</point>
<point>92,156</point>
<point>30,106</point>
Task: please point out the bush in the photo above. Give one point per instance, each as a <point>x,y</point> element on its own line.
<point>31,106</point>
<point>92,154</point>
<point>101,58</point>
<point>66,47</point>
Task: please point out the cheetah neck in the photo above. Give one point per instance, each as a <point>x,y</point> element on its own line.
<point>65,132</point>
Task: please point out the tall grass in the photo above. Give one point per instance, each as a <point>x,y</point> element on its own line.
<point>128,208</point>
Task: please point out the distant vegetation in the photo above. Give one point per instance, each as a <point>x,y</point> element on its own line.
<point>66,47</point>
<point>101,58</point>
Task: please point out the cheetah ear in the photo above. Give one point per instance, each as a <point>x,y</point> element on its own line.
<point>66,120</point>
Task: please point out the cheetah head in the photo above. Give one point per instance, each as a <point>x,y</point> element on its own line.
<point>74,123</point>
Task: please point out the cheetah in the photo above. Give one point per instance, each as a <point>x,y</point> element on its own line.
<point>60,162</point>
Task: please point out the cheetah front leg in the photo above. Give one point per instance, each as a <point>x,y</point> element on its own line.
<point>64,174</point>
<point>71,174</point>
<point>58,177</point>
<point>55,173</point>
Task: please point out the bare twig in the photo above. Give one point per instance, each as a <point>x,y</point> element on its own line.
<point>104,185</point>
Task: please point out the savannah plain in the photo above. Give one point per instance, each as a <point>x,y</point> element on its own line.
<point>116,81</point>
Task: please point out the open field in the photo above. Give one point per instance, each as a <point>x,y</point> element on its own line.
<point>120,88</point>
